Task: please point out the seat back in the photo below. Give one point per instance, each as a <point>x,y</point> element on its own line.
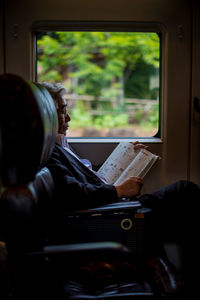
<point>28,122</point>
<point>29,125</point>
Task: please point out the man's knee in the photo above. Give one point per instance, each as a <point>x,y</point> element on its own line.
<point>186,185</point>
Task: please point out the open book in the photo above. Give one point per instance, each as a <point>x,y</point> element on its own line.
<point>125,161</point>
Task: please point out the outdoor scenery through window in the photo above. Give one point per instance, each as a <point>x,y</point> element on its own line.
<point>112,80</point>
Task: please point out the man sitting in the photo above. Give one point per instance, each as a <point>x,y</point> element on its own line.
<point>79,187</point>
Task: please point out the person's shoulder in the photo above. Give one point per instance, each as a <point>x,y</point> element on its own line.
<point>57,148</point>
<point>59,151</point>
<point>55,156</point>
<point>56,151</point>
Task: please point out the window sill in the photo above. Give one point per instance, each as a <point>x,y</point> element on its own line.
<point>151,140</point>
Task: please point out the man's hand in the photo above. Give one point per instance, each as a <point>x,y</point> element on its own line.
<point>133,185</point>
<point>130,187</point>
<point>138,146</point>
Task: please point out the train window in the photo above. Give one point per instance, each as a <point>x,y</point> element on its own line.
<point>112,78</point>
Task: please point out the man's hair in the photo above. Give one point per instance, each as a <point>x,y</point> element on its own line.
<point>55,89</point>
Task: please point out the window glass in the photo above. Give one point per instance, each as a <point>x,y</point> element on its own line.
<point>112,79</point>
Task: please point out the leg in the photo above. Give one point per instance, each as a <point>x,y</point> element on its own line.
<point>175,219</point>
<point>174,208</point>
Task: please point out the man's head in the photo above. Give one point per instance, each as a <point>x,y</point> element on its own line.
<point>57,92</point>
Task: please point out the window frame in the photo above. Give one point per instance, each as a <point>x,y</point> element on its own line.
<point>109,26</point>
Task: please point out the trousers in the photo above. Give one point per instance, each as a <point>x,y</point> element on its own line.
<point>175,211</point>
<point>176,219</point>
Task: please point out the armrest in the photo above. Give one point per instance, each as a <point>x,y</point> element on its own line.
<point>84,251</point>
<point>118,206</point>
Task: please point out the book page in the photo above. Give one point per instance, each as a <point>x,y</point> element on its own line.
<point>117,162</point>
<point>139,166</point>
<point>149,165</point>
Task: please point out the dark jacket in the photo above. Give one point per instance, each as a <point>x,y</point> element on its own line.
<point>77,187</point>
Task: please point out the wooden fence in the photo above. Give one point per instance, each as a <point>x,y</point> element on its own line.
<point>130,105</point>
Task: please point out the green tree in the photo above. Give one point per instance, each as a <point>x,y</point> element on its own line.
<point>95,60</point>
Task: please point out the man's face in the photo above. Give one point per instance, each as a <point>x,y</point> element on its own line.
<point>63,116</point>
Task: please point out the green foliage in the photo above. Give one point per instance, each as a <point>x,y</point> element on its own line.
<point>137,84</point>
<point>80,117</point>
<point>150,118</point>
<point>110,121</point>
<point>96,59</point>
<point>153,117</point>
<point>102,64</point>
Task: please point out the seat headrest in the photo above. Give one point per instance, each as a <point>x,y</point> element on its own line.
<point>29,125</point>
